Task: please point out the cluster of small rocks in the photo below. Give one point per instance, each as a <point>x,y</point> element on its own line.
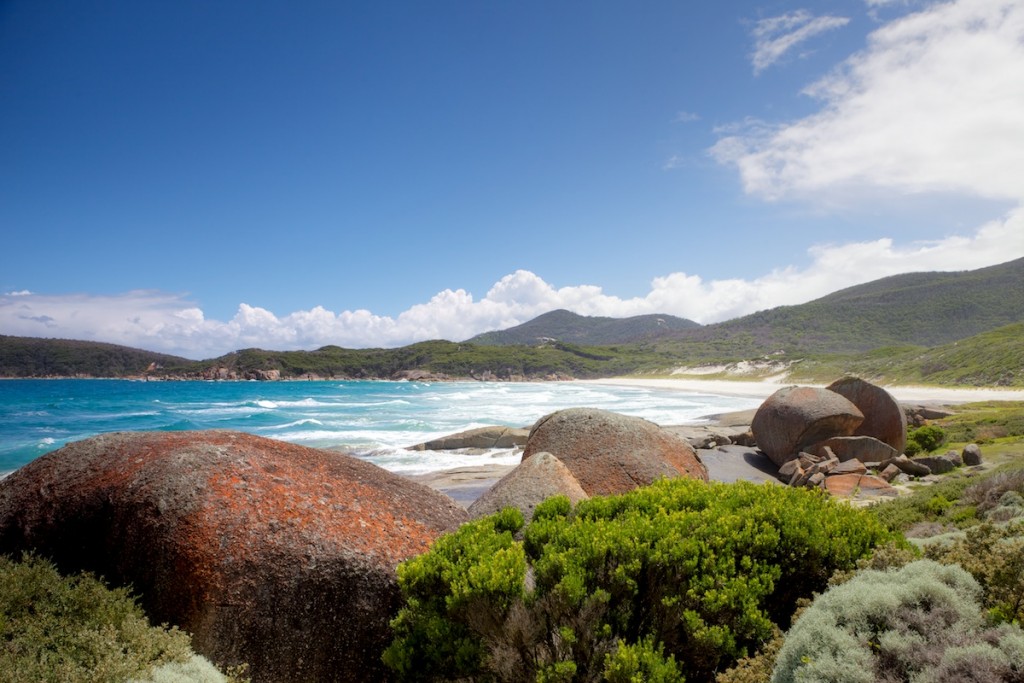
<point>848,438</point>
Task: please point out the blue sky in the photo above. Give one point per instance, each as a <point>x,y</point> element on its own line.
<point>196,177</point>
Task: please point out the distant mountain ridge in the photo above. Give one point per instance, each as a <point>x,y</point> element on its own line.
<point>572,328</point>
<point>907,327</point>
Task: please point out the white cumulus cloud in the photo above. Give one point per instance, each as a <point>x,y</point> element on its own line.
<point>934,103</point>
<point>173,324</point>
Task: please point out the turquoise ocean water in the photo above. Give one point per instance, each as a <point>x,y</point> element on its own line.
<point>373,420</point>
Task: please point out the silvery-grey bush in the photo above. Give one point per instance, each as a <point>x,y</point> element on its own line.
<point>923,622</point>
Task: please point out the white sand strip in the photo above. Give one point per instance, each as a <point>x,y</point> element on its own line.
<point>747,389</point>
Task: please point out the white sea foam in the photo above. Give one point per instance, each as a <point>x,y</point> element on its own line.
<point>422,462</point>
<point>296,423</point>
<point>266,404</point>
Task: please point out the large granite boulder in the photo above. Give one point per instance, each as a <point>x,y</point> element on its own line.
<point>796,417</point>
<point>481,437</point>
<point>533,481</point>
<point>610,453</point>
<point>971,454</point>
<point>269,553</point>
<point>884,419</point>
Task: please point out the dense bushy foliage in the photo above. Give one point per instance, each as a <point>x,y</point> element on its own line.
<point>679,574</point>
<point>994,555</point>
<point>77,630</point>
<point>925,439</point>
<point>921,623</point>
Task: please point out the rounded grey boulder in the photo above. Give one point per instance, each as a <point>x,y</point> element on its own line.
<point>884,419</point>
<point>796,417</point>
<point>609,453</point>
<point>532,482</point>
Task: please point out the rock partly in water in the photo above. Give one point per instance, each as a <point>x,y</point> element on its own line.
<point>533,481</point>
<point>884,419</point>
<point>269,553</point>
<point>795,417</point>
<point>481,437</point>
<point>609,453</point>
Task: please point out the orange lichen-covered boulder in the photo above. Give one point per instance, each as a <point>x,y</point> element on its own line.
<point>269,553</point>
<point>609,453</point>
<point>795,417</point>
<point>884,419</point>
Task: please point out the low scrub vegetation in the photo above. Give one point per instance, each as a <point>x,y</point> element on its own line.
<point>678,579</point>
<point>921,623</point>
<point>77,630</point>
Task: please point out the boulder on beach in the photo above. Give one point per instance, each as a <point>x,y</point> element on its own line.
<point>269,553</point>
<point>481,437</point>
<point>796,417</point>
<point>884,419</point>
<point>533,481</point>
<point>609,453</point>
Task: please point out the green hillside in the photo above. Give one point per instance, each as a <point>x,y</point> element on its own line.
<point>443,358</point>
<point>920,309</point>
<point>32,357</point>
<point>571,328</point>
<point>993,358</point>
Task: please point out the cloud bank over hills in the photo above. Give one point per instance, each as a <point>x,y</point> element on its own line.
<point>173,324</point>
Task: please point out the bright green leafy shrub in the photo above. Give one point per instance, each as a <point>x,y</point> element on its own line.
<point>925,439</point>
<point>681,573</point>
<point>77,630</point>
<point>641,662</point>
<point>921,623</point>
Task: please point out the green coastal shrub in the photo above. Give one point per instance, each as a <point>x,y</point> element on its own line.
<point>77,630</point>
<point>679,574</point>
<point>921,623</point>
<point>925,439</point>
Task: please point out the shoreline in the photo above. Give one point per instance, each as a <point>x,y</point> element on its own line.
<point>764,389</point>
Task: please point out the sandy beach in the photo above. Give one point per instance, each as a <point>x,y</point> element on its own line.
<point>749,389</point>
